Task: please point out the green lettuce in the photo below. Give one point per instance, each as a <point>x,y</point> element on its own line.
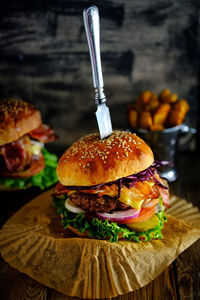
<point>103,229</point>
<point>43,179</point>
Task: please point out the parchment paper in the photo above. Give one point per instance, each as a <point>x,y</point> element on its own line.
<point>34,242</point>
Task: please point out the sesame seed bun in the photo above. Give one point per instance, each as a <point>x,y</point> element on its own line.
<point>16,119</point>
<point>90,160</point>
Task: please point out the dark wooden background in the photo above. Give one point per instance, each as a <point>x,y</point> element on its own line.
<point>145,45</point>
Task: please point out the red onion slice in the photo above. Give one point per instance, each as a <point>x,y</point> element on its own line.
<point>73,207</point>
<point>120,215</point>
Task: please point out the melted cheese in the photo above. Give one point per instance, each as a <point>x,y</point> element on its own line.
<point>36,147</point>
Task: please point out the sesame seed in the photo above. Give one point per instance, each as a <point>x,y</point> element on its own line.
<point>119,144</point>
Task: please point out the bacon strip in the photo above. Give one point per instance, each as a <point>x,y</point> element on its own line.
<point>17,154</point>
<point>13,155</point>
<point>34,168</point>
<point>142,189</point>
<point>44,134</point>
<point>60,189</point>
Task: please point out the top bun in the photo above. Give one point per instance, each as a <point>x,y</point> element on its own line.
<point>16,119</point>
<point>90,160</point>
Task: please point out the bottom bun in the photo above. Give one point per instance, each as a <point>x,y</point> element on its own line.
<point>75,230</point>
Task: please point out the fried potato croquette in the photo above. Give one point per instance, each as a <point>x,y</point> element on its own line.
<point>153,103</point>
<point>145,96</point>
<point>156,127</point>
<point>145,120</point>
<point>143,100</point>
<point>163,94</point>
<point>154,113</point>
<point>161,113</point>
<point>177,114</point>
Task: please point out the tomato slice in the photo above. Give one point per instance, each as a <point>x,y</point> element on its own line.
<point>145,214</point>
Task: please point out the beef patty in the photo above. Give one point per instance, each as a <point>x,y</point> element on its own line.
<point>94,203</point>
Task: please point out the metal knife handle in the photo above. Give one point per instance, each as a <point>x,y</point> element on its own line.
<point>92,29</point>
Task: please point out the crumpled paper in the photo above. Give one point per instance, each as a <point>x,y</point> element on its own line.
<point>34,242</point>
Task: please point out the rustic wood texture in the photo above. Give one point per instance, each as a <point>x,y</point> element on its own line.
<point>19,286</point>
<point>179,281</point>
<point>145,45</point>
<point>23,287</point>
<point>187,265</point>
<point>188,271</point>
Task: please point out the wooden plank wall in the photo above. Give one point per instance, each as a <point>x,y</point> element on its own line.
<point>145,45</point>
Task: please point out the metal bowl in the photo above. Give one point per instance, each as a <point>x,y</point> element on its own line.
<point>164,144</point>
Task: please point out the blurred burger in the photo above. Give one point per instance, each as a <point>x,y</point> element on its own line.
<point>24,161</point>
<point>111,189</point>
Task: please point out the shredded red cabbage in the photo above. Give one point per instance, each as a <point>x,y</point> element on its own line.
<point>130,180</point>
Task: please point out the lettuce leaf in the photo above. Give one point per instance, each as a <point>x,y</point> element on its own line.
<point>43,179</point>
<point>103,229</point>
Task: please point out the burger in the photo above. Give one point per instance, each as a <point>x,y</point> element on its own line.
<point>111,189</point>
<point>24,161</point>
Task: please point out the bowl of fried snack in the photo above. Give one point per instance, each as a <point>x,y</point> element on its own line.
<point>157,113</point>
<point>159,120</point>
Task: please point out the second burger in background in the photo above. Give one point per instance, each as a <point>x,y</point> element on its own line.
<point>24,161</point>
<point>111,189</point>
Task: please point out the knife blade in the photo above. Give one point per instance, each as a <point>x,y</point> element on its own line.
<point>92,29</point>
<point>103,120</point>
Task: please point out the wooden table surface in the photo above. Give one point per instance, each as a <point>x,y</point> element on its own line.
<point>181,280</point>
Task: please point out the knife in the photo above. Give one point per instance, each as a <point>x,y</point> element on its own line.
<point>92,29</point>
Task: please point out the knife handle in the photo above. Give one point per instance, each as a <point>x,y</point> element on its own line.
<point>92,29</point>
